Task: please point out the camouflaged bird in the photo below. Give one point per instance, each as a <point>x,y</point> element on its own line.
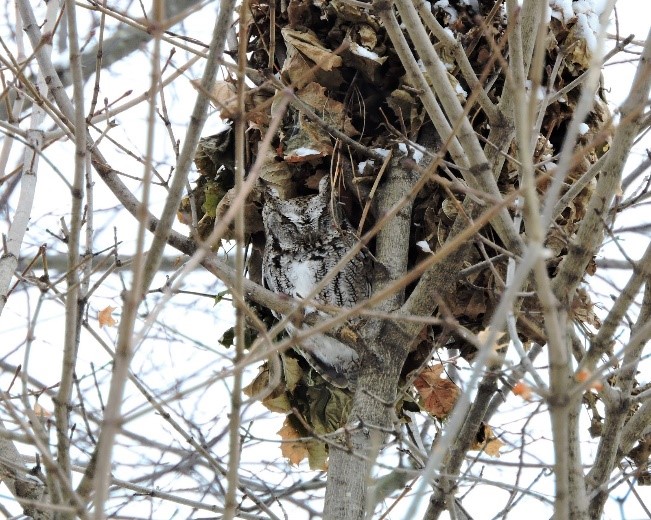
<point>303,243</point>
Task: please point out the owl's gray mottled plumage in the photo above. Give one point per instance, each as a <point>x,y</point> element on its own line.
<point>303,243</point>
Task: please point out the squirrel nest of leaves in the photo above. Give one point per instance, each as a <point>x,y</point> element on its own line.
<point>341,64</point>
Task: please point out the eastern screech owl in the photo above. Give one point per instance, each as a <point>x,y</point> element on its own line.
<point>303,243</point>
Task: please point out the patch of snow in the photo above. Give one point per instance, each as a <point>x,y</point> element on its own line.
<point>587,13</point>
<point>362,166</point>
<point>452,12</point>
<point>381,151</point>
<point>445,6</point>
<point>424,246</point>
<point>583,128</point>
<point>363,52</point>
<point>304,151</point>
<point>472,3</point>
<point>540,93</point>
<point>588,24</point>
<point>562,9</point>
<point>417,155</point>
<point>222,127</point>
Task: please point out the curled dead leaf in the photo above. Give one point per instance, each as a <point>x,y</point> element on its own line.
<point>450,208</point>
<point>295,448</point>
<point>292,372</point>
<point>493,447</point>
<point>309,45</point>
<point>275,399</point>
<point>583,309</point>
<point>292,448</point>
<point>438,395</point>
<point>104,317</point>
<point>330,110</point>
<point>367,36</point>
<point>224,97</point>
<point>486,441</point>
<point>252,218</point>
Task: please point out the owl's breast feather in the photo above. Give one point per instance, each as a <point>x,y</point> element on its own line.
<point>302,277</point>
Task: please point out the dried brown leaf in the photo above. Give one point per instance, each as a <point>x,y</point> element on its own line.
<point>276,400</point>
<point>292,449</point>
<point>292,372</point>
<point>224,98</point>
<point>493,447</point>
<point>105,318</point>
<point>252,217</point>
<point>485,440</point>
<point>317,455</point>
<point>276,174</point>
<point>330,110</point>
<point>438,395</point>
<point>583,309</point>
<point>367,36</point>
<point>309,45</point>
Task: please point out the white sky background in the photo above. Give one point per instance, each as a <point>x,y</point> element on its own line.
<point>166,363</point>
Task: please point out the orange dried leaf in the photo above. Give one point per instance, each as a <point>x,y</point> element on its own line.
<point>485,440</point>
<point>258,384</point>
<point>493,447</point>
<point>438,395</point>
<point>523,390</point>
<point>583,375</point>
<point>292,449</point>
<point>104,317</point>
